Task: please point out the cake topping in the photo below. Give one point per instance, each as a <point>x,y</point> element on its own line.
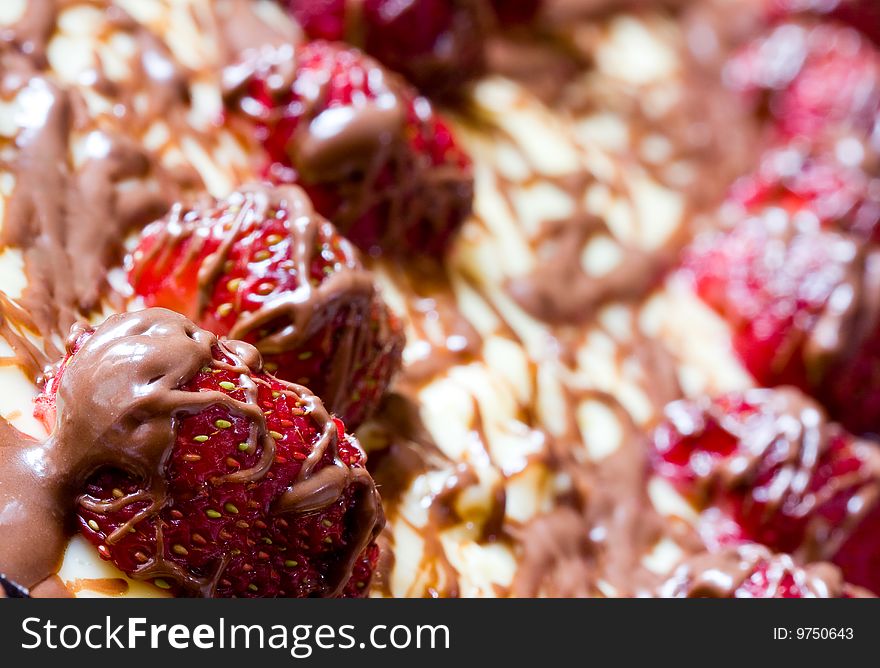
<point>69,220</point>
<point>375,159</point>
<point>766,466</point>
<point>261,266</point>
<point>163,437</point>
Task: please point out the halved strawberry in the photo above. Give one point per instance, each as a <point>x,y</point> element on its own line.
<point>752,571</point>
<point>374,157</point>
<point>262,267</point>
<point>205,475</point>
<point>766,466</point>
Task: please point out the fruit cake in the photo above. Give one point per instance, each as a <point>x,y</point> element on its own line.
<point>442,298</point>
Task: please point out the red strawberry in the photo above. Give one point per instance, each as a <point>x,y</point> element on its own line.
<point>820,81</point>
<point>262,267</point>
<point>205,475</point>
<point>374,157</point>
<point>843,197</point>
<point>436,44</point>
<point>802,305</point>
<point>766,466</point>
<point>752,571</point>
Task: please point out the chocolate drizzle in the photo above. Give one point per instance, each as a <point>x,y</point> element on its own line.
<point>242,30</point>
<point>615,523</point>
<point>558,557</point>
<point>69,223</point>
<point>15,325</point>
<point>706,131</point>
<point>445,336</point>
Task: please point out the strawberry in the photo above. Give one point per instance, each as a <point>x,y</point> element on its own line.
<point>262,267</point>
<point>752,571</point>
<point>766,466</point>
<point>819,81</point>
<point>798,179</point>
<point>373,156</point>
<point>799,300</point>
<point>207,476</point>
<point>436,44</point>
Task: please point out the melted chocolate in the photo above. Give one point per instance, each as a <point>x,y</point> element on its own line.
<point>710,133</point>
<point>558,558</point>
<point>242,31</point>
